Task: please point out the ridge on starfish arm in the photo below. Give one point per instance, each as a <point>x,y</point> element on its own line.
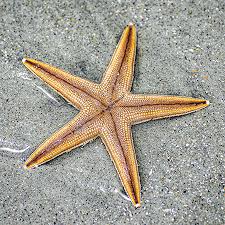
<point>107,110</point>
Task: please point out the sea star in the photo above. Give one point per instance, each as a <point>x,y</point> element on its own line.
<point>107,110</point>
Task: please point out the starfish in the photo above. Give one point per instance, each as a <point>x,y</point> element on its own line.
<point>107,110</point>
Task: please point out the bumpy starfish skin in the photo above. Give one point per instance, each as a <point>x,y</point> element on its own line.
<point>107,110</point>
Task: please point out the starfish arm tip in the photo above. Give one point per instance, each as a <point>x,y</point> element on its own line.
<point>25,167</point>
<point>130,24</point>
<point>28,166</point>
<point>24,60</point>
<point>207,102</point>
<point>137,205</point>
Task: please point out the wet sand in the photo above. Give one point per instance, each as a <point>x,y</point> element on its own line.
<point>181,160</point>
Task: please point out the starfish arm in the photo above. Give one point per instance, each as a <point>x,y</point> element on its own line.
<point>78,131</point>
<point>126,140</point>
<point>145,100</point>
<point>110,137</point>
<point>123,56</point>
<point>142,113</point>
<point>125,76</point>
<point>74,89</point>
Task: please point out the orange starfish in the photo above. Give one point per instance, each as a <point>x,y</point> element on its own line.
<point>107,110</point>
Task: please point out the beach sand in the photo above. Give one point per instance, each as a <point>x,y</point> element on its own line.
<point>181,160</point>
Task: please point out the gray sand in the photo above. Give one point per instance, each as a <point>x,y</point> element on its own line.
<point>181,160</point>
